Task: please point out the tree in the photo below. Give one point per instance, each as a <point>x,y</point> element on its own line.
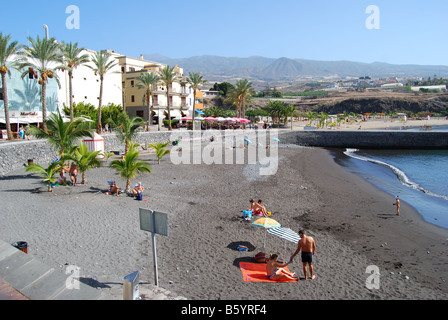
<point>130,166</point>
<point>276,109</point>
<point>196,81</point>
<point>70,59</point>
<point>160,149</point>
<point>290,110</point>
<point>41,56</point>
<point>127,129</point>
<point>311,116</point>
<point>168,76</point>
<point>223,88</point>
<point>47,174</point>
<point>60,134</point>
<point>242,92</point>
<point>7,51</point>
<point>146,81</point>
<point>84,159</point>
<point>102,65</point>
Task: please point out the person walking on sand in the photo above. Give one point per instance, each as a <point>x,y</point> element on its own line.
<point>397,203</point>
<point>308,247</point>
<point>275,270</point>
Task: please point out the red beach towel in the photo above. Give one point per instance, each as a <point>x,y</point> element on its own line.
<point>256,272</point>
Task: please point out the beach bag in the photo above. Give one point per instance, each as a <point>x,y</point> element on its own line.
<point>247,215</point>
<point>260,257</point>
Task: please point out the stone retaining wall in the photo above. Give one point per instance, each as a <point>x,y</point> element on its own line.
<point>15,154</point>
<point>368,139</point>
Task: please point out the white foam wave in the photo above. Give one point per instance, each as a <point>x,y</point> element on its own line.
<point>402,177</point>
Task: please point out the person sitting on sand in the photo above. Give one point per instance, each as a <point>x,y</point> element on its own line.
<point>259,209</point>
<point>115,189</point>
<point>308,247</point>
<point>252,205</point>
<point>138,190</point>
<point>275,270</point>
<point>62,180</point>
<point>74,173</point>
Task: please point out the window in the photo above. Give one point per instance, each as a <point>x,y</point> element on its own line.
<point>132,98</point>
<point>132,84</point>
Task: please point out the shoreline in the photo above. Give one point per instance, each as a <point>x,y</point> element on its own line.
<point>348,217</point>
<point>408,237</point>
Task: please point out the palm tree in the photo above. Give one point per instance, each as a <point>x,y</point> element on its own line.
<point>7,51</point>
<point>311,116</point>
<point>323,116</point>
<point>130,166</point>
<point>71,58</point>
<point>243,90</point>
<point>160,149</point>
<point>146,81</point>
<point>47,174</point>
<point>60,134</point>
<point>289,111</point>
<point>41,55</point>
<point>102,65</point>
<point>196,81</point>
<point>127,129</point>
<point>84,159</point>
<point>168,76</point>
<point>276,109</point>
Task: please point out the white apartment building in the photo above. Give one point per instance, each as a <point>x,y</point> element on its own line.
<point>119,88</point>
<point>86,86</point>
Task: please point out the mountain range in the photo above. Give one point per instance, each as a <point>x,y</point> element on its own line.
<point>217,68</point>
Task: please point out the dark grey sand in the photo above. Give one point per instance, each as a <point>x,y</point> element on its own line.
<point>352,223</point>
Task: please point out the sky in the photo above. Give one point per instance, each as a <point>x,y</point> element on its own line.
<point>397,31</point>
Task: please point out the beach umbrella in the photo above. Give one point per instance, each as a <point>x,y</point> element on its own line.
<point>187,119</point>
<point>211,119</point>
<point>266,223</point>
<point>276,139</point>
<point>286,234</point>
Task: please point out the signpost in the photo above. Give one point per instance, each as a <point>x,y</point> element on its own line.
<point>156,223</point>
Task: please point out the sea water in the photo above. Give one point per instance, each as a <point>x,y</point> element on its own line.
<point>418,177</point>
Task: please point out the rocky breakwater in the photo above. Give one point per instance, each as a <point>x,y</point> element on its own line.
<point>15,154</point>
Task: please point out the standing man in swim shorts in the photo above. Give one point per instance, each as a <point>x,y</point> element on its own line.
<point>308,247</point>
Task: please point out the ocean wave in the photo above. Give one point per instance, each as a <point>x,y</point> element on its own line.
<point>402,177</point>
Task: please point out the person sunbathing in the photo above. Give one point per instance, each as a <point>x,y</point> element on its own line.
<point>138,190</point>
<point>276,270</point>
<point>114,189</point>
<point>259,209</point>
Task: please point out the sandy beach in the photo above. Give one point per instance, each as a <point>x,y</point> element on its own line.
<point>352,222</point>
